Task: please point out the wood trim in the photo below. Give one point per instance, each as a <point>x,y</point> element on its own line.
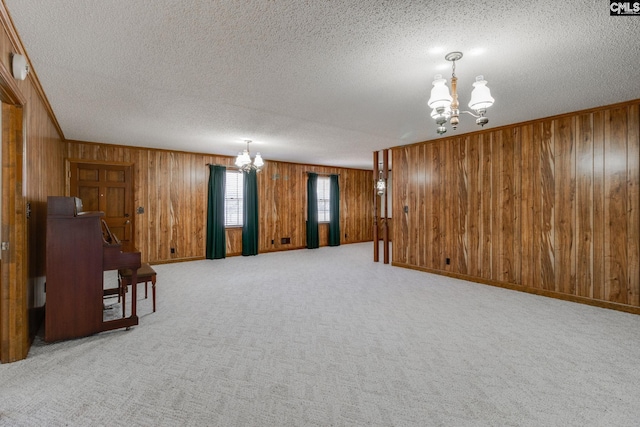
<point>535,291</point>
<point>10,28</point>
<point>9,91</point>
<point>15,40</point>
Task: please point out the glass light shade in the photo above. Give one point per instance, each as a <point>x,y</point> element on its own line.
<point>380,187</point>
<point>243,159</point>
<point>440,96</point>
<point>258,162</point>
<point>481,96</point>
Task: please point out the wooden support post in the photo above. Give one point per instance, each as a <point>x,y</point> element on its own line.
<point>385,225</point>
<point>376,250</point>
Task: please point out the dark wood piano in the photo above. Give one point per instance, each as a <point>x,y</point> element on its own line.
<point>80,247</point>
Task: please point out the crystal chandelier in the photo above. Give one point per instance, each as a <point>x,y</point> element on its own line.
<point>445,106</point>
<point>243,161</point>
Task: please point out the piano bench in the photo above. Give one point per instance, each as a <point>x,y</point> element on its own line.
<point>146,274</point>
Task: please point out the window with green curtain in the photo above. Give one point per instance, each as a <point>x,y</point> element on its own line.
<point>324,199</point>
<point>250,214</point>
<point>313,240</point>
<point>234,198</point>
<point>216,244</point>
<point>334,211</point>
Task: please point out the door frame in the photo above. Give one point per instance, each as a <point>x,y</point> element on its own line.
<point>14,313</point>
<point>69,161</point>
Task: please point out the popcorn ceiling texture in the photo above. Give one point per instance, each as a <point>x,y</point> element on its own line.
<point>322,82</point>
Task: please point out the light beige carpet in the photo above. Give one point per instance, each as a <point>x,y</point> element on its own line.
<point>326,337</point>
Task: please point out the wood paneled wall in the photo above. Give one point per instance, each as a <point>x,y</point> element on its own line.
<point>41,167</point>
<point>550,206</point>
<point>172,189</point>
<point>282,190</point>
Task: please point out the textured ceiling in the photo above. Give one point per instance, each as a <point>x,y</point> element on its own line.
<point>321,82</point>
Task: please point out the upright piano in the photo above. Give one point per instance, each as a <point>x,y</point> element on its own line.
<point>80,247</point>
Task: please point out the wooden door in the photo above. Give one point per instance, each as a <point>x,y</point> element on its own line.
<point>107,188</point>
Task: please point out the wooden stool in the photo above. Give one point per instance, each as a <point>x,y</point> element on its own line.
<point>145,274</point>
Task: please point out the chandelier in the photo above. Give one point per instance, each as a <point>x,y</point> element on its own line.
<point>445,106</point>
<point>243,161</point>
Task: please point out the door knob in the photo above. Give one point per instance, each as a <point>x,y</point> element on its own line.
<point>127,221</point>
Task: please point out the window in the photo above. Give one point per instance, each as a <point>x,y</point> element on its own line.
<point>233,198</point>
<point>323,199</point>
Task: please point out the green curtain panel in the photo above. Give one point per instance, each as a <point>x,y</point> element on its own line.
<point>250,214</point>
<point>334,211</point>
<point>313,240</point>
<point>216,238</point>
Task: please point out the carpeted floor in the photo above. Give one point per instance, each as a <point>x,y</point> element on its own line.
<point>326,337</point>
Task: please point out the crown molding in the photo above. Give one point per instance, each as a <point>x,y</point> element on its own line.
<point>16,43</point>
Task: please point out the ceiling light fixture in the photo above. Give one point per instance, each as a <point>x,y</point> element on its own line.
<point>243,161</point>
<point>445,106</point>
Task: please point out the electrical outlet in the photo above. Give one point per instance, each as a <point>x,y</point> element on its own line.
<point>273,241</point>
<point>447,261</point>
<point>173,250</point>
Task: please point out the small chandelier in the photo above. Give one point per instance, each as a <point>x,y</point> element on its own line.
<point>243,161</point>
<point>380,185</point>
<point>445,106</point>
